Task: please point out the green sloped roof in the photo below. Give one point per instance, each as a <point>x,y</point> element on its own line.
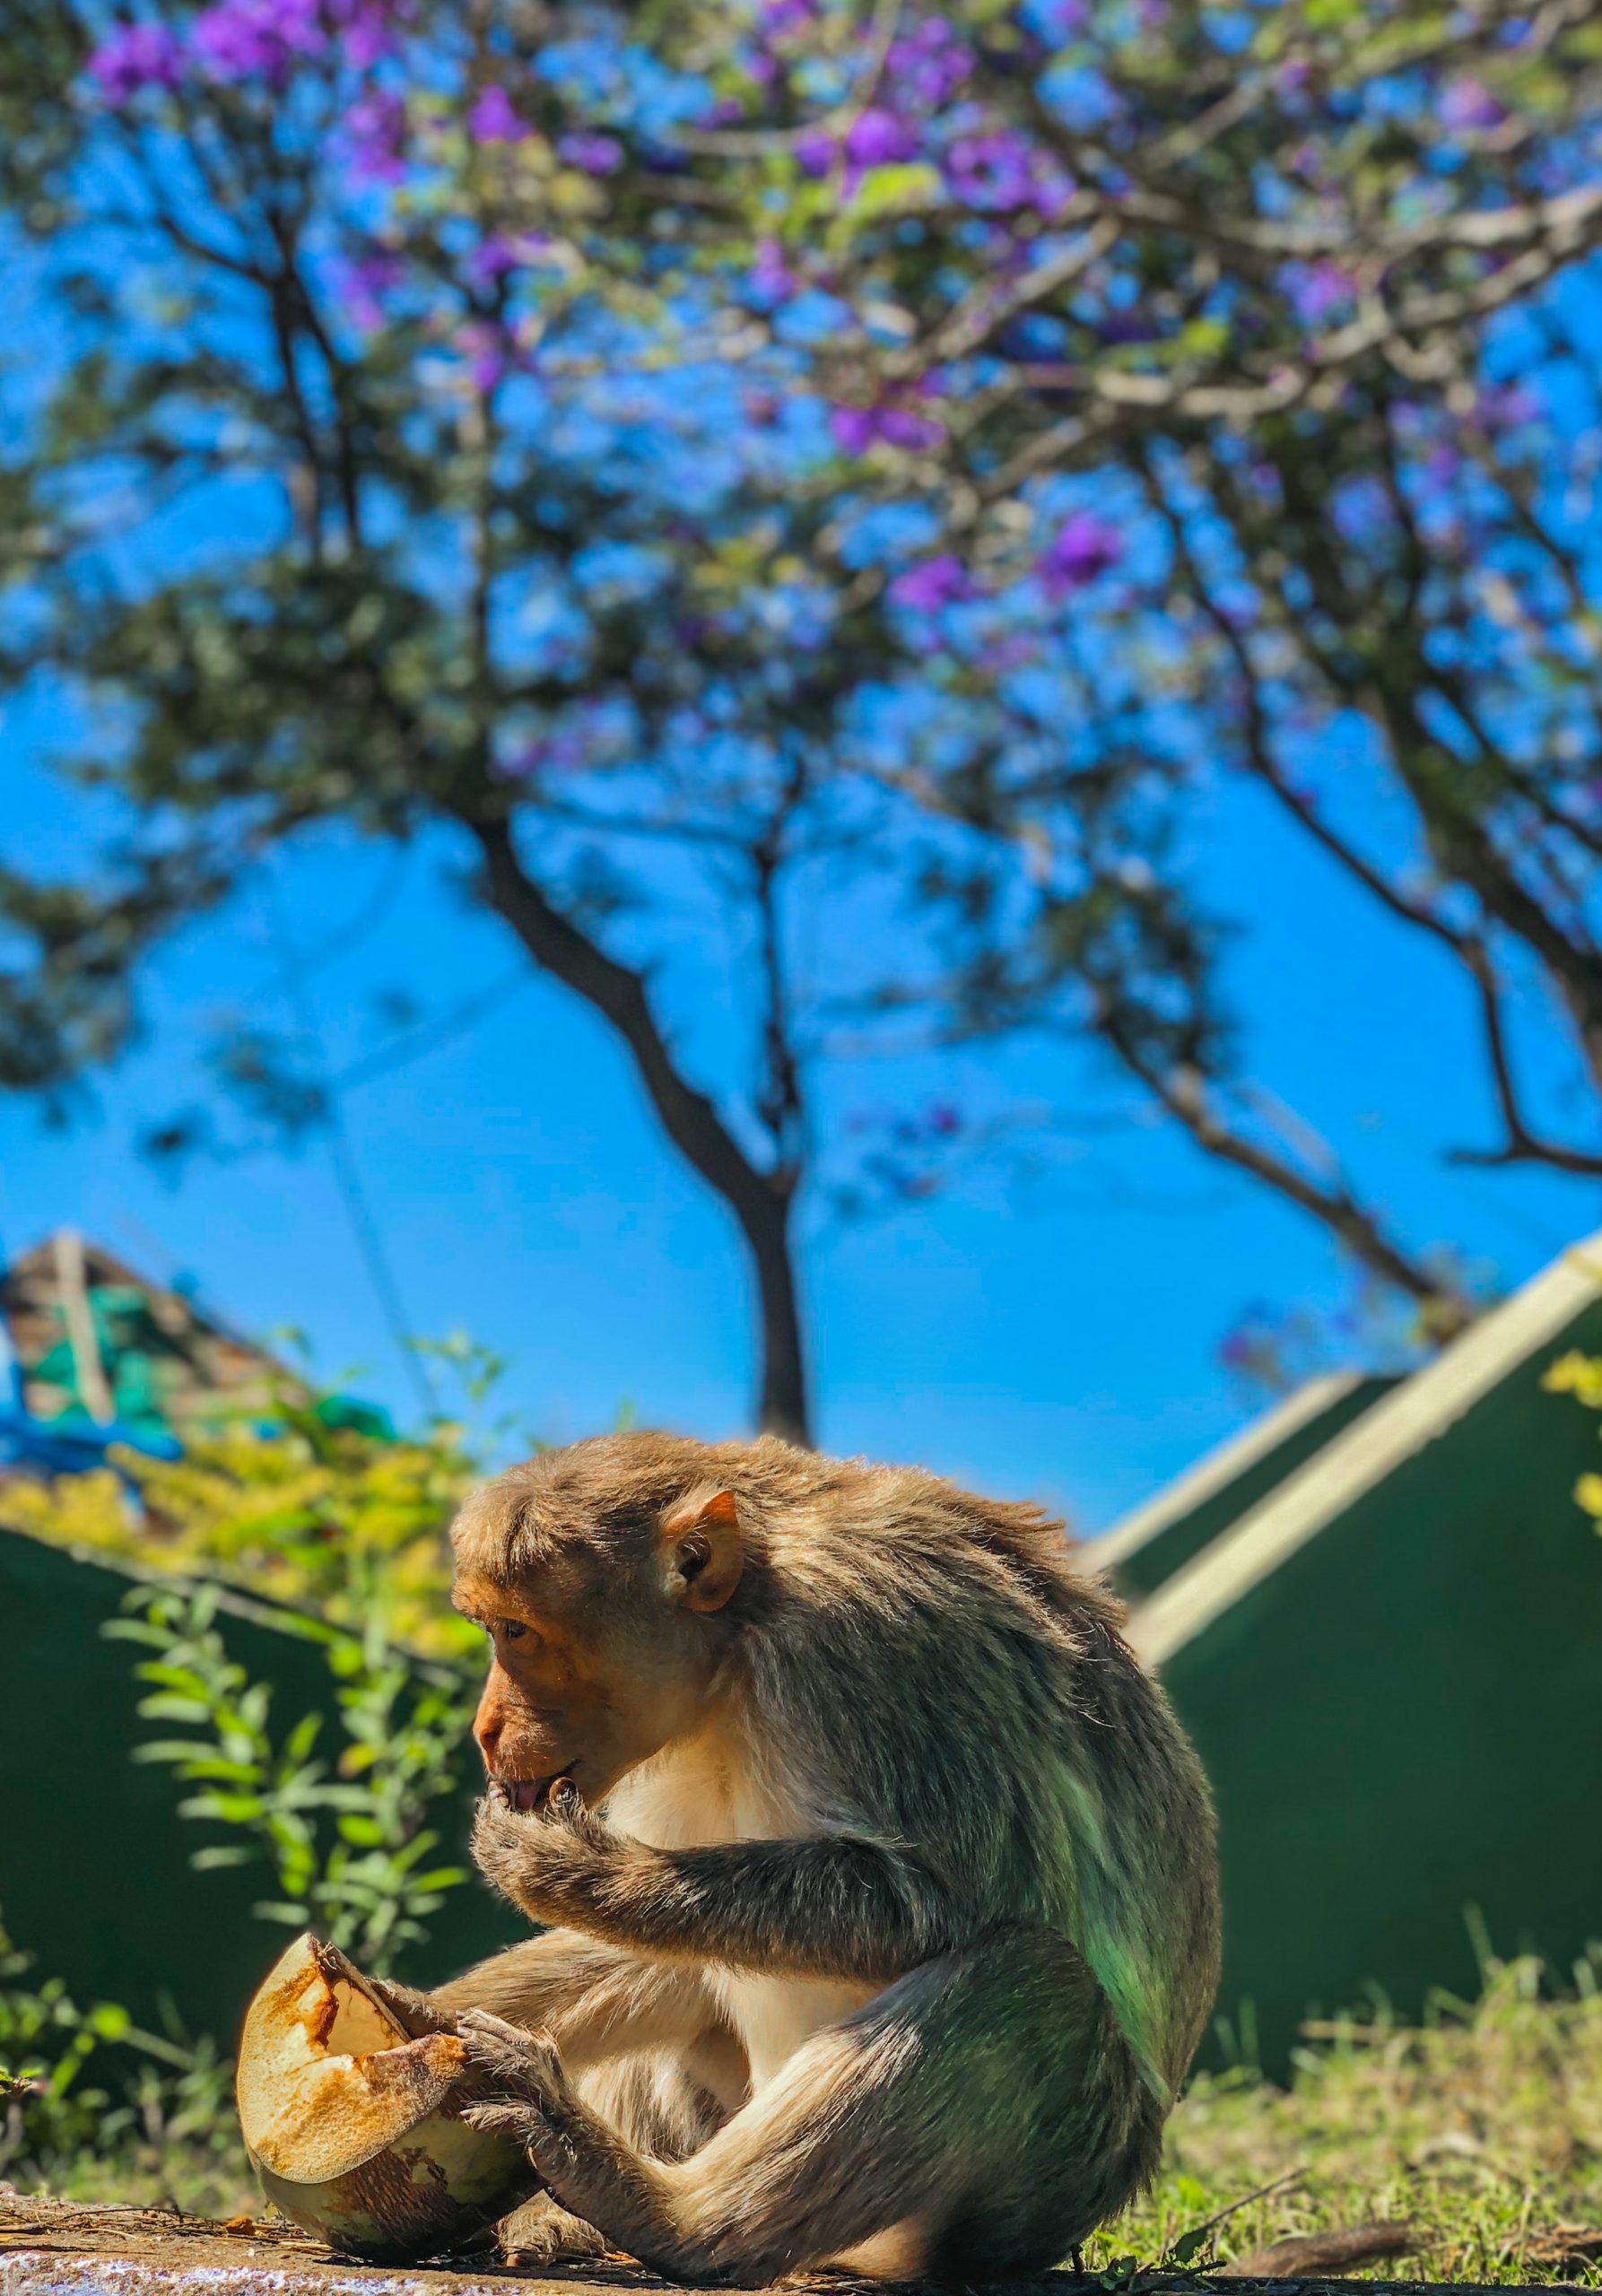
<point>1392,1669</point>
<point>1148,1546</point>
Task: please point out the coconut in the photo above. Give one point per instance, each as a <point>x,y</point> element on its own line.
<point>355,2127</point>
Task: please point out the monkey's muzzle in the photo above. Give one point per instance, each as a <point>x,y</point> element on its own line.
<point>530,1794</point>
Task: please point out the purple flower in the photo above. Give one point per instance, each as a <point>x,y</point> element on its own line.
<point>375,129</point>
<point>488,350</point>
<point>495,255</point>
<point>1317,289</point>
<point>135,56</point>
<point>248,40</point>
<point>1503,406</point>
<point>593,154</point>
<point>814,152</point>
<point>365,29</point>
<point>927,64</point>
<point>937,582</point>
<point>1082,547</point>
<point>901,426</point>
<point>991,172</point>
<point>1469,104</point>
<point>782,19</point>
<point>494,118</point>
<point>853,428</point>
<point>874,139</point>
<point>770,281</point>
<point>368,281</point>
<point>857,429</point>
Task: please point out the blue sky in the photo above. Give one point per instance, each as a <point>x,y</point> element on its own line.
<point>1055,1338</point>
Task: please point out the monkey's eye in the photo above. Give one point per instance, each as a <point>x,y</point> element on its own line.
<point>512,1629</point>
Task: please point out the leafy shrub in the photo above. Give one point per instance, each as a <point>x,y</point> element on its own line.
<point>165,2118</point>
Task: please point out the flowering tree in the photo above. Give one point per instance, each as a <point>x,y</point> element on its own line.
<point>708,438</point>
<point>567,585</point>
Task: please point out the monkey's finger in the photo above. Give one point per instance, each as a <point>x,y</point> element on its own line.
<point>526,2125</point>
<point>526,2062</point>
<point>515,2037</point>
<point>564,1801</point>
<point>414,2010</point>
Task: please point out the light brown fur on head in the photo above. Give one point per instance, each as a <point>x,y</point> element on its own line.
<point>846,1724</point>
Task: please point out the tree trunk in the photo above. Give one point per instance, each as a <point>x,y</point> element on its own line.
<point>761,1201</point>
<point>781,1405</point>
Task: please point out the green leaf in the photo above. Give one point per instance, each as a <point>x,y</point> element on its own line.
<point>227,1809</point>
<point>166,1706</point>
<point>899,190</point>
<point>443,1877</point>
<point>366,1833</point>
<point>267,1910</point>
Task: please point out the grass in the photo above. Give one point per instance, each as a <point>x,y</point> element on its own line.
<point>1481,2127</point>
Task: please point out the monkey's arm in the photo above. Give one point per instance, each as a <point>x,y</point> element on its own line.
<point>832,1906</point>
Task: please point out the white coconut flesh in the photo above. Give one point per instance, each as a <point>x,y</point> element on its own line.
<point>326,2076</point>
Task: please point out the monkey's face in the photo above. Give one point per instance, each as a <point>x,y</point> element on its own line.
<point>603,1653</point>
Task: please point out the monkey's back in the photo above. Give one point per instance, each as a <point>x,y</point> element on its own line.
<point>959,1686</point>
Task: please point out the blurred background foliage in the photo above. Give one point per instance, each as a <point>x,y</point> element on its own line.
<point>314,1504</point>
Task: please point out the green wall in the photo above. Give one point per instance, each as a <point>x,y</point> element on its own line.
<point>94,1873</point>
<point>1169,1549</point>
<point>1404,1719</point>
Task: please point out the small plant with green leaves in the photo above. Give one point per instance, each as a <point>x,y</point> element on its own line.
<point>163,2115</point>
<point>347,1840</point>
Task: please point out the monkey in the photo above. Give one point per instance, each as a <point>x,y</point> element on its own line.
<point>878,1883</point>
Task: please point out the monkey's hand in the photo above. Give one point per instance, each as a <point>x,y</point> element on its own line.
<point>533,2103</point>
<point>556,1863</point>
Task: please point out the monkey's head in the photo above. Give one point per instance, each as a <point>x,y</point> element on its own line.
<point>601,1574</point>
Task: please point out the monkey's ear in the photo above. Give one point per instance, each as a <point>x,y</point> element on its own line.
<point>706,1551</point>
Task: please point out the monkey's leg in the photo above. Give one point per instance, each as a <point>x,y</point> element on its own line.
<point>658,2105</point>
<point>598,2002</point>
<point>984,2110</point>
<point>657,2063</point>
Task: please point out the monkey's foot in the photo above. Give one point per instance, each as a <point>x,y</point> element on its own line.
<point>542,2232</point>
<point>536,2102</point>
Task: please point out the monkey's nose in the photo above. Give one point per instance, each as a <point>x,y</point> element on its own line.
<point>487,1730</point>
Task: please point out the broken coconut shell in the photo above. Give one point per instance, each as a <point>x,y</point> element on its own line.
<point>354,2127</point>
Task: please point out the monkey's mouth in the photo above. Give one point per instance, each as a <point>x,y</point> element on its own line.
<point>527,1795</point>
